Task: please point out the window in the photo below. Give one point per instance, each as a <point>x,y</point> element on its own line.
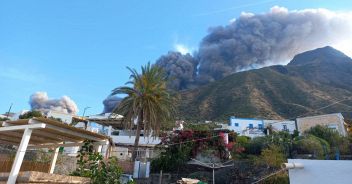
<point>115,133</point>
<point>250,125</point>
<point>284,127</point>
<point>260,126</point>
<point>236,124</point>
<point>333,126</point>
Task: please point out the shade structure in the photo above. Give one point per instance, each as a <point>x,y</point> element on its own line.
<point>44,133</point>
<point>107,119</point>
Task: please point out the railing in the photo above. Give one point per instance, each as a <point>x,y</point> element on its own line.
<point>147,153</point>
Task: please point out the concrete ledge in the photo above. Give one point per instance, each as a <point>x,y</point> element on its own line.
<point>41,178</point>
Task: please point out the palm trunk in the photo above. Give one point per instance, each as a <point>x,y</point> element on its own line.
<point>138,133</point>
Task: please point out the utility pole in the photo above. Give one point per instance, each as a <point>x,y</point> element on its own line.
<point>8,112</point>
<point>85,122</point>
<point>84,111</point>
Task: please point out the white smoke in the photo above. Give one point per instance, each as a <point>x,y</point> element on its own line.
<point>271,38</point>
<point>40,101</point>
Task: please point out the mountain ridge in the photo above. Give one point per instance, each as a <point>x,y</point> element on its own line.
<point>311,80</point>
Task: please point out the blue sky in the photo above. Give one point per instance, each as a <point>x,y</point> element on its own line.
<point>80,48</point>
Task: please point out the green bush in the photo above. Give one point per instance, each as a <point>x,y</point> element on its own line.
<point>174,157</point>
<point>281,178</point>
<point>4,119</point>
<point>328,134</point>
<point>256,145</point>
<point>272,156</point>
<point>31,114</point>
<point>311,144</point>
<point>91,164</point>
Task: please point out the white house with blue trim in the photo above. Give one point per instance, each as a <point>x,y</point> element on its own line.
<point>247,127</point>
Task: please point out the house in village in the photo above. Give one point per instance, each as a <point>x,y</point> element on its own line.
<point>334,121</point>
<point>280,125</point>
<point>255,127</point>
<point>246,126</point>
<point>124,139</point>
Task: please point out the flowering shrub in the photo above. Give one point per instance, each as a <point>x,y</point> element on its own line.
<point>183,145</point>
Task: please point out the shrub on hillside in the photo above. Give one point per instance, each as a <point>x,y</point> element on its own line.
<point>328,134</point>
<point>311,144</point>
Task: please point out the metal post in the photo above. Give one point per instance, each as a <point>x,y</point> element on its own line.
<point>109,130</point>
<point>53,160</point>
<point>19,156</point>
<point>213,174</point>
<point>161,176</point>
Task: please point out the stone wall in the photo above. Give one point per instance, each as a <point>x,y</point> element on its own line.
<point>44,178</point>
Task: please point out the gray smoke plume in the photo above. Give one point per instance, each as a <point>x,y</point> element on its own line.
<point>181,69</point>
<point>110,103</point>
<point>254,41</point>
<point>40,101</point>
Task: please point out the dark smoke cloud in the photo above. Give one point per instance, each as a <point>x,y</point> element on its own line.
<point>253,41</point>
<point>110,103</point>
<point>40,101</point>
<point>181,69</point>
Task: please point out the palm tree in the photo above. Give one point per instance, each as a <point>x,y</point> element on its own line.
<point>148,102</point>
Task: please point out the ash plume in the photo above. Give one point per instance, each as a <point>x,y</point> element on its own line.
<point>181,69</point>
<point>110,103</point>
<point>40,101</point>
<point>253,41</point>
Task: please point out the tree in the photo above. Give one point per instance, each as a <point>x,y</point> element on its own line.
<point>4,119</point>
<point>148,102</point>
<point>31,114</point>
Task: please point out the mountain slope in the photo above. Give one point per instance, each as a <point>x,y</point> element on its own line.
<point>311,80</point>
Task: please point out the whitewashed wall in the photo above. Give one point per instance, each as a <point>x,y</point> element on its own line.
<point>321,172</point>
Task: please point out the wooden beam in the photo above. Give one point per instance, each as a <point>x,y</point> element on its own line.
<point>53,160</point>
<point>66,137</point>
<point>52,138</point>
<point>18,135</point>
<point>10,142</point>
<point>73,133</point>
<point>6,127</point>
<point>66,145</point>
<point>19,156</point>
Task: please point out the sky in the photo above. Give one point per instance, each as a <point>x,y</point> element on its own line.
<point>81,48</point>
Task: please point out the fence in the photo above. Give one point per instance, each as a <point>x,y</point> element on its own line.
<point>6,166</point>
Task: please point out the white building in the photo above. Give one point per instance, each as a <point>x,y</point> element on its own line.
<point>281,125</point>
<point>319,171</point>
<point>247,127</point>
<point>122,139</point>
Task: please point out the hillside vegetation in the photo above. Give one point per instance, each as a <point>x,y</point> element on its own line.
<point>312,80</point>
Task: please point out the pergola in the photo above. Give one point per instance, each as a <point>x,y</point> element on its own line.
<point>110,120</point>
<point>44,133</point>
